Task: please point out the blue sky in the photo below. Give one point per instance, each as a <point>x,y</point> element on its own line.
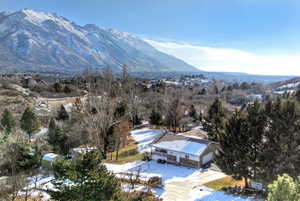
<point>264,28</point>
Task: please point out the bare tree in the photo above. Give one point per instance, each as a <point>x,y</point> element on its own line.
<point>98,111</point>
<point>172,103</point>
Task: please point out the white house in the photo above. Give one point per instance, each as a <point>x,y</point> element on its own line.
<point>183,150</point>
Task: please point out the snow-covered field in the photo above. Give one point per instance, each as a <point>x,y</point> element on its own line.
<point>144,137</point>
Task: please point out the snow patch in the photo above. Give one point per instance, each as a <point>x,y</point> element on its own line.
<point>144,137</point>
<point>205,194</point>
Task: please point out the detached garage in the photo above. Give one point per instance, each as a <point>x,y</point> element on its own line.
<point>183,150</point>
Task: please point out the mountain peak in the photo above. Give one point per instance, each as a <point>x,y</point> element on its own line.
<point>46,42</point>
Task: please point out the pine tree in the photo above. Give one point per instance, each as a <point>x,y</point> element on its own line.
<point>29,122</point>
<point>193,113</point>
<point>90,180</point>
<point>233,148</point>
<point>155,118</point>
<point>57,87</point>
<point>215,121</point>
<point>57,138</point>
<point>62,114</point>
<point>203,92</point>
<point>120,110</point>
<point>281,140</point>
<point>255,126</point>
<point>298,95</point>
<point>7,121</point>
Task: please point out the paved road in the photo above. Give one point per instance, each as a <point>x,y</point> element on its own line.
<point>179,190</point>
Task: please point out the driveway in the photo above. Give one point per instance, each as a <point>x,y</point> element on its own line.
<point>179,190</point>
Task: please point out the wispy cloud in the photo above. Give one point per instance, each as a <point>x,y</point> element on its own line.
<point>231,60</point>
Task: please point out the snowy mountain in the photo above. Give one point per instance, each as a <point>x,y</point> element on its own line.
<point>45,42</point>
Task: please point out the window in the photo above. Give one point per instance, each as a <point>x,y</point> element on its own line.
<point>161,150</point>
<point>187,156</point>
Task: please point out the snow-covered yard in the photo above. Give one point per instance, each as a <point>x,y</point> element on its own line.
<point>40,182</point>
<point>144,137</point>
<point>166,171</point>
<point>180,183</point>
<point>205,194</point>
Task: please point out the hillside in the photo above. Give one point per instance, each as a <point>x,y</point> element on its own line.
<point>290,85</point>
<point>45,42</point>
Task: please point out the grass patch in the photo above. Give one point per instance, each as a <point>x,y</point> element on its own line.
<point>127,154</point>
<point>225,182</point>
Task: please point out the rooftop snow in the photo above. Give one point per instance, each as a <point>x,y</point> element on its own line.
<point>50,157</point>
<point>185,146</point>
<point>144,137</point>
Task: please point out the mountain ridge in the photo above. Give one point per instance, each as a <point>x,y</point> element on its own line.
<point>41,42</point>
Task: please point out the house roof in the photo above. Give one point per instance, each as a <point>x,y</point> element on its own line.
<point>183,144</point>
<point>50,157</point>
<point>195,133</point>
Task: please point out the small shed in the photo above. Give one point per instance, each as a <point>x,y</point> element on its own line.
<point>48,160</point>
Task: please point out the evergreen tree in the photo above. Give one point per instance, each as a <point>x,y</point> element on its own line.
<point>193,113</point>
<point>155,118</point>
<point>7,121</point>
<point>29,122</point>
<point>136,120</point>
<point>67,89</point>
<point>57,138</point>
<point>233,148</point>
<point>203,92</point>
<point>121,110</point>
<point>285,188</point>
<point>62,114</point>
<point>57,87</point>
<point>215,121</point>
<point>298,95</point>
<point>254,130</point>
<point>281,140</point>
<point>90,180</point>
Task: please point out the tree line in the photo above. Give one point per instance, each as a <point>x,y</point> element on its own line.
<point>259,141</point>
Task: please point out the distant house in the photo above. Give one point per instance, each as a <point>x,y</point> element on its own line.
<point>48,160</point>
<point>183,150</point>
